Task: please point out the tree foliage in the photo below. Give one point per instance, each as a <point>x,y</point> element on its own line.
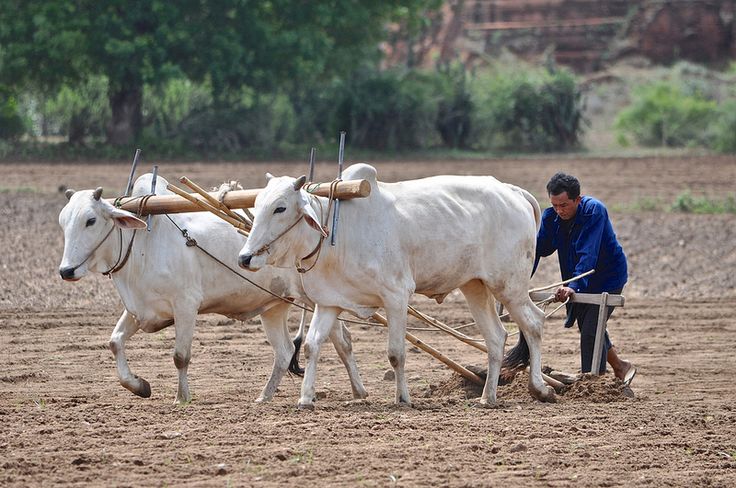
<point>526,109</point>
<point>262,44</point>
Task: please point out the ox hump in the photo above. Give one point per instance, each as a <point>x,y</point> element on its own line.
<point>142,185</point>
<point>361,171</point>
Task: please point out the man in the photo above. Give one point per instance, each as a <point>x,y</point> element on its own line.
<point>578,228</point>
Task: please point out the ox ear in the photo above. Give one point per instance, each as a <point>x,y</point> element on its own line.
<point>269,177</point>
<point>311,217</point>
<point>299,183</point>
<point>126,220</point>
<point>68,194</point>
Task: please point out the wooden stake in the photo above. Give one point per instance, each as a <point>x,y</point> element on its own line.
<point>215,202</point>
<point>202,205</point>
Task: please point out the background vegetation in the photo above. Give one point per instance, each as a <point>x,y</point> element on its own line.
<point>247,78</point>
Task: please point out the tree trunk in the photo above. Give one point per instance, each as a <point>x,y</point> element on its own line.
<point>78,128</point>
<point>127,116</point>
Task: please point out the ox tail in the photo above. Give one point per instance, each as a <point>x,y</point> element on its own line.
<point>298,339</point>
<point>294,364</point>
<point>516,359</point>
<point>535,205</point>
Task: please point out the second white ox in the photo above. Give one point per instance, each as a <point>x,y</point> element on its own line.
<point>428,236</point>
<point>163,281</point>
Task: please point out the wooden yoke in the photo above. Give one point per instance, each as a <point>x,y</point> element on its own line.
<point>171,204</point>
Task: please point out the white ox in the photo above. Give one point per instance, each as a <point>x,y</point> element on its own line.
<point>165,282</point>
<point>428,236</point>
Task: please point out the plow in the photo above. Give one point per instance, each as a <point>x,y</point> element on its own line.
<point>223,205</point>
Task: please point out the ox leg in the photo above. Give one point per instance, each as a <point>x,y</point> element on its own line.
<point>277,331</point>
<point>396,316</point>
<point>185,321</point>
<point>342,340</point>
<point>124,329</point>
<point>323,320</point>
<point>530,320</point>
<point>482,306</point>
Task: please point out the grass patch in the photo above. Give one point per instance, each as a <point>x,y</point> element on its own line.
<point>306,457</point>
<point>686,202</point>
<point>645,204</point>
<point>19,189</point>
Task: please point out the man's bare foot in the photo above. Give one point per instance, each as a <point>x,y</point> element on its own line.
<point>625,372</point>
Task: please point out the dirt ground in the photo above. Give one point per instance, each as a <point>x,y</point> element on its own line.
<point>64,418</point>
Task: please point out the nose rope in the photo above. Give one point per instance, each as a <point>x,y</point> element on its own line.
<point>325,232</point>
<point>265,247</point>
<point>95,248</point>
<point>331,198</point>
<point>118,264</point>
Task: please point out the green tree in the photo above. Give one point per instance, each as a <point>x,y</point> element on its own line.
<point>262,44</point>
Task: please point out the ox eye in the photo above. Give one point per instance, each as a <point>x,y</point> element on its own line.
<point>91,221</point>
<point>279,210</point>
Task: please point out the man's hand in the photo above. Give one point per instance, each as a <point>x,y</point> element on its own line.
<point>563,293</point>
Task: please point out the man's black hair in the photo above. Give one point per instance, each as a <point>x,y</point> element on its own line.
<point>561,183</point>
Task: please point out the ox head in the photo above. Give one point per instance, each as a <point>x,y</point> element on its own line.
<point>87,221</point>
<point>277,236</point>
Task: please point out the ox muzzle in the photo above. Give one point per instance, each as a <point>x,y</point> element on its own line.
<point>67,274</point>
<point>244,260</point>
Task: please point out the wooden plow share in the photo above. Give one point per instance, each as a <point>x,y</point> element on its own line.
<point>201,200</point>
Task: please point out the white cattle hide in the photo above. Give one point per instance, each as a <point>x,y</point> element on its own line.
<point>428,236</point>
<point>166,282</point>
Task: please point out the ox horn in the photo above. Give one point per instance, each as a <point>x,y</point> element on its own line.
<point>68,194</point>
<point>299,183</point>
<point>98,193</point>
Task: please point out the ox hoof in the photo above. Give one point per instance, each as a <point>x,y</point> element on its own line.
<point>144,388</point>
<point>486,404</point>
<point>305,406</point>
<point>547,394</point>
<point>261,399</point>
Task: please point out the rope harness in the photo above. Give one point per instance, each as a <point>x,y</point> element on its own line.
<point>89,255</point>
<point>323,233</point>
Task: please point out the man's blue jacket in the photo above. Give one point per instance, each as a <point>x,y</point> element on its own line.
<point>589,243</point>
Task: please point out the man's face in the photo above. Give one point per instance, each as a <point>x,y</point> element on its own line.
<point>565,207</point>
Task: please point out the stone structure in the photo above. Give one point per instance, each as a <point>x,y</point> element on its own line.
<point>582,34</point>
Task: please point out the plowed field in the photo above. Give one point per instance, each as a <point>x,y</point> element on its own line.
<point>64,418</point>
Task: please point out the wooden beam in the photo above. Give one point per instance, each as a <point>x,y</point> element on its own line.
<point>171,204</point>
<point>591,298</point>
<point>462,371</point>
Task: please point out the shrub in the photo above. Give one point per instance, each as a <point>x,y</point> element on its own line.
<point>386,110</point>
<point>12,125</point>
<point>663,114</point>
<point>78,111</point>
<point>455,106</point>
<point>724,128</point>
<point>526,109</point>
